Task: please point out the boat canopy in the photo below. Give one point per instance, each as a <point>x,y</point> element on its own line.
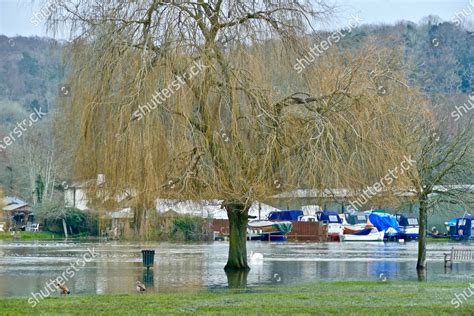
<point>356,218</point>
<point>291,215</point>
<point>452,222</point>
<point>284,227</point>
<point>465,226</point>
<point>330,217</point>
<point>407,220</point>
<point>384,221</point>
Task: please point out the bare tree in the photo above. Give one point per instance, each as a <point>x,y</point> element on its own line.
<point>37,155</point>
<point>444,157</point>
<point>242,128</point>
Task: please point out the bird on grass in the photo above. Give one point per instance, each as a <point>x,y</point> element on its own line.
<point>140,287</point>
<point>63,288</point>
<point>382,277</point>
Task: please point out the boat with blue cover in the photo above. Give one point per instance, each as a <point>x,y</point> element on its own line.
<point>464,228</point>
<point>333,222</point>
<point>366,234</point>
<point>409,228</point>
<point>269,230</point>
<point>387,223</point>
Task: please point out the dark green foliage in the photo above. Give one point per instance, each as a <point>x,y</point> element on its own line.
<point>28,64</point>
<point>189,228</point>
<point>51,214</point>
<point>81,221</point>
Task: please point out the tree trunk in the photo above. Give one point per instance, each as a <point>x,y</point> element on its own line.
<point>238,219</point>
<point>138,221</point>
<point>423,219</point>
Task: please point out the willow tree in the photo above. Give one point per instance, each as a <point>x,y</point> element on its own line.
<point>244,127</point>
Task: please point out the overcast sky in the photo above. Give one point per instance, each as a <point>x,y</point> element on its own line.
<point>15,15</point>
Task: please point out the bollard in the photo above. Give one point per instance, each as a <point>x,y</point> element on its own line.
<point>148,258</point>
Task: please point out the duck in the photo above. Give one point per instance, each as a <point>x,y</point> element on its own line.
<point>140,287</point>
<point>256,256</point>
<point>63,288</point>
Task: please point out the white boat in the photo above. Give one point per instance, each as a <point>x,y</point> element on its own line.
<point>372,235</point>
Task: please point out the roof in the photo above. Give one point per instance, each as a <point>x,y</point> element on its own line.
<point>209,208</point>
<point>13,203</point>
<point>343,193</point>
<point>124,213</point>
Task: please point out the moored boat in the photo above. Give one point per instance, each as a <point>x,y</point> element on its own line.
<point>409,228</point>
<point>387,223</point>
<point>367,234</point>
<point>464,229</point>
<point>268,230</point>
<point>333,222</point>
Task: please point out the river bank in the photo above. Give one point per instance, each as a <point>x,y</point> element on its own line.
<point>348,298</point>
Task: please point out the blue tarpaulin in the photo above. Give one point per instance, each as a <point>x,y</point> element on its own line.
<point>407,220</point>
<point>452,222</point>
<point>383,221</point>
<point>285,215</point>
<point>363,232</point>
<point>330,217</point>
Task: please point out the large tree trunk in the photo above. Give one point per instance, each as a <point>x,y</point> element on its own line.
<point>238,219</point>
<point>423,219</point>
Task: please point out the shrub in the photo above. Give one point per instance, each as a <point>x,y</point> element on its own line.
<point>189,228</point>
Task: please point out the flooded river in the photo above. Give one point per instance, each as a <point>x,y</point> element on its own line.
<point>26,266</point>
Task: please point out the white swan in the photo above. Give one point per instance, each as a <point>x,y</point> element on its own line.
<point>256,256</point>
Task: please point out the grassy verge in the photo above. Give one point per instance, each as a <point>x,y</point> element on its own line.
<point>343,298</point>
<point>30,235</point>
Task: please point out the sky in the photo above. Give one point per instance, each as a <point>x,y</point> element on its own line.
<point>16,15</point>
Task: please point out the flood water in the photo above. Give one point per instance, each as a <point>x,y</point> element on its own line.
<point>26,266</point>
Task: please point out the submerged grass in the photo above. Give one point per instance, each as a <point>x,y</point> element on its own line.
<point>343,298</point>
<point>30,235</point>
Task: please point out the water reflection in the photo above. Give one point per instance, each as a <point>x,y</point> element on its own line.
<point>237,279</point>
<point>25,267</point>
<point>422,275</point>
<point>148,278</point>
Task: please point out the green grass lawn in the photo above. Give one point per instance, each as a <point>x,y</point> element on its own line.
<point>342,298</point>
<point>30,235</point>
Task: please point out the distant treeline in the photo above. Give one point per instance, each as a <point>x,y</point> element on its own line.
<point>31,67</point>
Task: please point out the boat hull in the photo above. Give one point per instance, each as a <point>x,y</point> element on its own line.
<point>374,236</point>
<point>276,236</point>
<point>268,230</point>
<point>409,233</point>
